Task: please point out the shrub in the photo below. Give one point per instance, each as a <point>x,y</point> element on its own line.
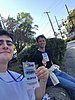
<point>57,46</point>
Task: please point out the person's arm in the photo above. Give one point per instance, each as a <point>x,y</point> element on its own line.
<point>42,74</point>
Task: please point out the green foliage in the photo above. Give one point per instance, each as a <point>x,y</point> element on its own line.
<point>71,21</point>
<point>27,53</point>
<point>22,28</point>
<point>58,47</point>
<point>23,32</point>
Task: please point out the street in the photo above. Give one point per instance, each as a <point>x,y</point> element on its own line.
<point>70,58</point>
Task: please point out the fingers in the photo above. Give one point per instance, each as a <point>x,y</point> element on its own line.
<point>44,62</point>
<point>42,73</point>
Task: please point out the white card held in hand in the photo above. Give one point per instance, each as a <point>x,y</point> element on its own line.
<point>45,56</point>
<point>30,74</point>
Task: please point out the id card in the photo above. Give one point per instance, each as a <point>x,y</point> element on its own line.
<point>30,74</point>
<point>45,56</point>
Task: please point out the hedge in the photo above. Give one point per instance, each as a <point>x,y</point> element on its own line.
<point>57,46</point>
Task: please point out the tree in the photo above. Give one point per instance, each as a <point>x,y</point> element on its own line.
<point>70,25</point>
<point>22,28</point>
<point>10,23</point>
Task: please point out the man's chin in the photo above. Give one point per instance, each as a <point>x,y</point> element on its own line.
<point>6,59</point>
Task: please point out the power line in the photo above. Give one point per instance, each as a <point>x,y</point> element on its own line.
<point>45,25</point>
<point>42,21</point>
<point>57,4</point>
<point>41,18</point>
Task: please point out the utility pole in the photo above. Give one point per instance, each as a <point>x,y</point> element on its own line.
<point>2,22</point>
<point>0,26</point>
<point>70,17</point>
<point>51,23</point>
<point>58,26</point>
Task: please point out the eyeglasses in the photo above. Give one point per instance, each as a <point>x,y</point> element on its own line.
<point>8,42</point>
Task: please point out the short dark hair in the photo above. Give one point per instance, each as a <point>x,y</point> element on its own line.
<point>40,36</point>
<point>4,32</point>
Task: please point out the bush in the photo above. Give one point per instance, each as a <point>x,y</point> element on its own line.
<point>57,46</point>
<point>26,54</point>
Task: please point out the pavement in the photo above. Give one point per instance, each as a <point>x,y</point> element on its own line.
<point>70,58</point>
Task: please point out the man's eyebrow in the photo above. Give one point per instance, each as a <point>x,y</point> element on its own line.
<point>1,40</point>
<point>6,41</point>
<point>9,41</point>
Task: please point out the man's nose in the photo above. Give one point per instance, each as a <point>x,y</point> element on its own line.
<point>5,45</point>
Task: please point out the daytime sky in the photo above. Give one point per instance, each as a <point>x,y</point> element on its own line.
<point>37,9</point>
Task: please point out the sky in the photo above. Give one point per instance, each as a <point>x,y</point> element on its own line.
<point>37,9</point>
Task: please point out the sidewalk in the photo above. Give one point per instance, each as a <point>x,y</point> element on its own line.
<point>70,58</point>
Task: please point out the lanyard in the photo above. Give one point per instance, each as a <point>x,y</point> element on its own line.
<point>14,79</point>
